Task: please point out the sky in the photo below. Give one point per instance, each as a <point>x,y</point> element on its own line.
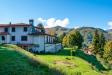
<point>65,13</point>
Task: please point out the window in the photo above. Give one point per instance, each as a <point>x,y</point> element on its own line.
<point>13,29</point>
<point>25,29</point>
<point>13,38</point>
<point>23,38</point>
<point>3,38</point>
<point>6,30</point>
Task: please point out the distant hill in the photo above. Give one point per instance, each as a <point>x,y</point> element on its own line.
<point>58,30</point>
<point>110,33</point>
<point>83,30</point>
<point>110,30</point>
<point>87,31</point>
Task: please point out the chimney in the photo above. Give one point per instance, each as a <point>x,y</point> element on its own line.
<point>9,23</point>
<point>31,22</point>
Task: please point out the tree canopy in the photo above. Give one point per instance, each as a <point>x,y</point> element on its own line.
<point>73,39</point>
<point>98,43</point>
<point>108,51</point>
<point>40,26</point>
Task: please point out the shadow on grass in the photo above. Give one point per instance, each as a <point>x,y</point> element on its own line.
<point>62,52</point>
<point>46,70</point>
<point>91,59</point>
<point>39,68</point>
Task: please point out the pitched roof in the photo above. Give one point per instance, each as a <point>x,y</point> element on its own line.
<point>14,25</point>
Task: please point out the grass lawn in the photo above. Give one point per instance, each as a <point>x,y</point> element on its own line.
<point>16,61</point>
<point>62,62</point>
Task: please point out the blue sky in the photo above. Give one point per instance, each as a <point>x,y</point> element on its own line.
<point>69,13</point>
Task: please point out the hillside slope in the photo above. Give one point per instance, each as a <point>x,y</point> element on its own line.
<point>16,61</point>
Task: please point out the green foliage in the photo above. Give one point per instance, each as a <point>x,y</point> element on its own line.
<point>40,25</point>
<point>60,38</point>
<point>56,40</point>
<point>64,42</point>
<point>102,43</point>
<point>108,51</point>
<point>90,58</point>
<point>17,61</point>
<point>74,39</point>
<point>98,43</point>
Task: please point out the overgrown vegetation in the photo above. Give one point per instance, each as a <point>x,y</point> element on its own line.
<point>73,39</point>
<point>16,61</point>
<point>98,43</point>
<point>108,51</point>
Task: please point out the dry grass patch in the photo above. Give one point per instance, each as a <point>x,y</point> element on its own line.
<point>65,63</point>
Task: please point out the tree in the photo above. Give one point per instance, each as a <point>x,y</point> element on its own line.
<point>60,38</point>
<point>96,42</point>
<point>102,40</point>
<point>75,39</point>
<point>64,42</point>
<point>108,51</point>
<point>102,43</point>
<point>40,26</point>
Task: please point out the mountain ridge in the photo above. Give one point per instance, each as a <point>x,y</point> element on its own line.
<point>60,30</point>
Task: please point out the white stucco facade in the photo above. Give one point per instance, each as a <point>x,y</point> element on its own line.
<point>16,34</point>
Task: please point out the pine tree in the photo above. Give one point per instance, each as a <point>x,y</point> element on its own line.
<point>102,40</point>
<point>96,42</point>
<point>102,43</point>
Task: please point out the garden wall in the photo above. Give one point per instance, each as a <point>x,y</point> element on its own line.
<point>52,48</point>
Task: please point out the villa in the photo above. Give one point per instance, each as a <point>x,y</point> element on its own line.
<point>28,37</point>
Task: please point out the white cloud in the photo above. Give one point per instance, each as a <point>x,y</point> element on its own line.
<point>41,20</point>
<point>110,24</point>
<point>76,27</point>
<point>52,22</point>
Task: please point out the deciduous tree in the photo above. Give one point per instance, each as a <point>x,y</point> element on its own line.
<point>75,39</point>
<point>108,51</point>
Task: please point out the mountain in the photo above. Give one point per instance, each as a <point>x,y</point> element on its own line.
<point>110,33</point>
<point>110,30</point>
<point>83,30</point>
<point>88,32</point>
<point>58,30</point>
